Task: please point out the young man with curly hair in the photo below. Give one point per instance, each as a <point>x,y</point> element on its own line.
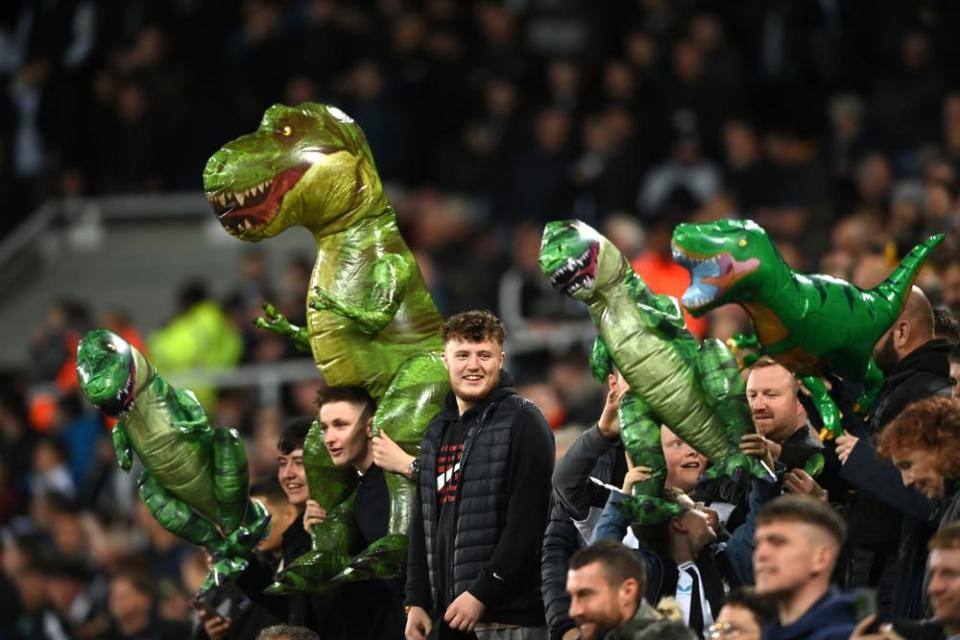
<point>483,495</point>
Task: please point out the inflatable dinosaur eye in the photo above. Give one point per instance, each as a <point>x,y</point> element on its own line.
<point>287,131</point>
<point>111,346</point>
<point>742,243</point>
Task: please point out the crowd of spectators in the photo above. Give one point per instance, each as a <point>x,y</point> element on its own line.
<point>834,125</point>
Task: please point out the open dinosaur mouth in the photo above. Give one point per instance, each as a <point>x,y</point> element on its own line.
<point>710,276</point>
<point>577,273</point>
<point>123,400</point>
<point>250,210</point>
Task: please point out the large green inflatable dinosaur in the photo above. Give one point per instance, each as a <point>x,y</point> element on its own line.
<point>694,389</point>
<point>811,324</point>
<point>195,483</point>
<point>370,320</point>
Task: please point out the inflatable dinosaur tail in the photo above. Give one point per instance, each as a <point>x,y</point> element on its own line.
<point>897,286</point>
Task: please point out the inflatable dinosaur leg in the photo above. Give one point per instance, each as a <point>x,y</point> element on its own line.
<point>231,481</point>
<point>739,343</point>
<point>312,572</point>
<point>333,538</point>
<point>175,515</point>
<point>640,432</point>
<point>277,323</point>
<point>872,381</point>
<point>121,445</point>
<point>415,395</point>
<point>829,412</point>
<point>725,391</point>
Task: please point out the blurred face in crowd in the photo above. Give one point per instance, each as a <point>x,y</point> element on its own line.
<point>918,469</point>
<point>293,476</point>
<point>944,588</point>
<point>127,603</point>
<point>774,405</point>
<point>684,464</point>
<point>473,367</point>
<point>734,622</point>
<point>789,555</point>
<point>345,434</point>
<point>596,605</point>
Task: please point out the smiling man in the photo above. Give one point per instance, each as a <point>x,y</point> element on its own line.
<point>798,540</point>
<point>943,570</point>
<point>484,497</point>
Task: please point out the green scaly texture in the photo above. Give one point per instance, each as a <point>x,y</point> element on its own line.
<point>195,480</point>
<point>811,324</point>
<point>694,389</point>
<point>370,319</point>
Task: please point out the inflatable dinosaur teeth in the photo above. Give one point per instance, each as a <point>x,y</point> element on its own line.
<point>195,481</point>
<point>370,319</point>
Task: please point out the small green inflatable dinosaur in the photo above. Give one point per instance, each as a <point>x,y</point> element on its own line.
<point>811,324</point>
<point>370,320</point>
<point>195,483</point>
<point>694,389</point>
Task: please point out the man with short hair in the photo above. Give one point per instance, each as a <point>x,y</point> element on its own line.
<point>373,608</point>
<point>313,611</point>
<point>783,428</point>
<point>606,582</point>
<point>798,540</point>
<point>943,570</point>
<point>287,632</point>
<point>483,495</point>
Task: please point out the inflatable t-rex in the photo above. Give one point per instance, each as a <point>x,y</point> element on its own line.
<point>694,389</point>
<point>370,320</point>
<point>811,324</point>
<point>195,483</point>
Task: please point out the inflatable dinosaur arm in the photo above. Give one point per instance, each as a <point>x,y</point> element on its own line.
<point>389,279</point>
<point>276,322</point>
<point>121,445</point>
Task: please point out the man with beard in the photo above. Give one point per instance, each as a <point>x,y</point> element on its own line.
<point>606,582</point>
<point>784,430</point>
<point>915,366</point>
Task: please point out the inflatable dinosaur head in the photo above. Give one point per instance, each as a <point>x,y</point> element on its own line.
<point>722,257</point>
<point>308,165</point>
<point>107,369</point>
<point>577,260</point>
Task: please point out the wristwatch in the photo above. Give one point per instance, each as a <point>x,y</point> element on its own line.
<point>414,468</point>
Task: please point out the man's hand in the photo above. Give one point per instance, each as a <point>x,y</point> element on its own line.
<point>886,631</point>
<point>609,424</point>
<point>571,634</point>
<point>216,626</point>
<point>754,444</point>
<point>388,455</point>
<point>845,445</point>
<point>800,482</point>
<point>314,514</point>
<point>418,624</point>
<point>464,612</point>
<point>633,476</point>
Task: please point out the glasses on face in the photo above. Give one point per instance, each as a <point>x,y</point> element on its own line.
<point>719,630</point>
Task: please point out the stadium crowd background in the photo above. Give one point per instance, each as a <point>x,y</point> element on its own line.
<point>834,125</point>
